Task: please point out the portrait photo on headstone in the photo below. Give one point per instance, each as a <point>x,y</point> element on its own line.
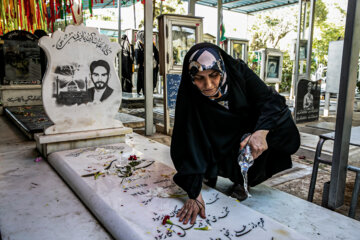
<point>273,67</point>
<point>302,53</point>
<point>308,100</point>
<point>77,84</point>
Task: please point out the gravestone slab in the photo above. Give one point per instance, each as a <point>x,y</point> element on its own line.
<point>307,102</point>
<point>21,58</point>
<point>20,95</point>
<point>329,126</point>
<point>30,119</point>
<point>81,89</point>
<point>132,197</point>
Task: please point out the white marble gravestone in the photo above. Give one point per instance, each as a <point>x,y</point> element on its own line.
<point>132,202</point>
<point>81,90</point>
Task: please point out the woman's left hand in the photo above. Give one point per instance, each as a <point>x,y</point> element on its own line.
<point>257,143</point>
<point>191,209</point>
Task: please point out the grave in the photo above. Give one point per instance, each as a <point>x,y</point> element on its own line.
<point>21,81</point>
<point>81,91</point>
<point>131,193</point>
<point>133,197</point>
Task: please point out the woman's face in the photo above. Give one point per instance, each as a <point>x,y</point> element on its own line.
<point>207,81</point>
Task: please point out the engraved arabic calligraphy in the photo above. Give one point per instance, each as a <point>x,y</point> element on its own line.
<point>82,36</point>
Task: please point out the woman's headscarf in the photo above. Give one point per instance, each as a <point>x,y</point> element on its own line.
<point>141,36</point>
<point>208,58</point>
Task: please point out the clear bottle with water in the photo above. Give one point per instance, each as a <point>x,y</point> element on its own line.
<point>245,161</point>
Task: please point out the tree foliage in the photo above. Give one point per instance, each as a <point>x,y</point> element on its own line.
<point>269,28</point>
<point>165,7</point>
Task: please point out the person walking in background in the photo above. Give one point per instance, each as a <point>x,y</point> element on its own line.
<point>139,57</point>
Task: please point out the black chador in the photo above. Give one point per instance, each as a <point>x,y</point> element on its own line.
<point>139,57</point>
<point>206,136</point>
<point>127,61</point>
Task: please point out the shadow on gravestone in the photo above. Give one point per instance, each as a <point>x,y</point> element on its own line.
<point>81,89</point>
<point>307,102</point>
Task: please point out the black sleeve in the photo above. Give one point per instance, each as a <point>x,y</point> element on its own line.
<point>189,147</point>
<point>271,105</point>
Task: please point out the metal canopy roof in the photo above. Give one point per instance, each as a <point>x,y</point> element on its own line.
<point>242,6</point>
<point>248,6</point>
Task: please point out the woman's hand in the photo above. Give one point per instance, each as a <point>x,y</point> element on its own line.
<point>191,209</point>
<point>257,143</point>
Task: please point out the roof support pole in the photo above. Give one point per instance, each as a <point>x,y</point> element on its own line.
<point>219,21</point>
<point>310,38</point>
<point>296,72</point>
<point>304,21</point>
<point>119,40</point>
<point>344,114</point>
<point>134,12</point>
<point>191,7</point>
<point>148,61</point>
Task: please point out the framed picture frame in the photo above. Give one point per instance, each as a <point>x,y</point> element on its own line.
<point>271,65</point>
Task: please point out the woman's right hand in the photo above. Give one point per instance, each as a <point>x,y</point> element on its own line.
<point>191,209</point>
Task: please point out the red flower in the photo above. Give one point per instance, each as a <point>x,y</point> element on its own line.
<point>167,217</point>
<point>132,157</point>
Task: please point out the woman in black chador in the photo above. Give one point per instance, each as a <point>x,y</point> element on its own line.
<point>127,61</point>
<point>139,57</point>
<point>220,100</point>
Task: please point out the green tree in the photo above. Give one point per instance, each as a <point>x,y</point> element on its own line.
<point>269,28</point>
<point>165,7</point>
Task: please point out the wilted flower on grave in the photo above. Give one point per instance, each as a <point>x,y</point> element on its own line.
<point>166,220</point>
<point>132,157</point>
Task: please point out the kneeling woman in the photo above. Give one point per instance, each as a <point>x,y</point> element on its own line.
<point>219,100</point>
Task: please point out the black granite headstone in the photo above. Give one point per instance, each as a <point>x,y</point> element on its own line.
<point>21,55</point>
<point>307,102</point>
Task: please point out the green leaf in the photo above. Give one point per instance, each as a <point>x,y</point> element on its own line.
<point>206,228</point>
<point>169,222</point>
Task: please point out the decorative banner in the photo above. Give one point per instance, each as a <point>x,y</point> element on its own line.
<point>30,15</point>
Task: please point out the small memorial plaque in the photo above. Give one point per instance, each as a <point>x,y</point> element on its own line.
<point>81,89</point>
<point>307,104</point>
<point>173,83</point>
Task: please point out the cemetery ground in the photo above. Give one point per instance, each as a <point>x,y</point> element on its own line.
<point>294,181</point>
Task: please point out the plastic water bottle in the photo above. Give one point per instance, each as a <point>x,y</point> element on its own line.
<point>245,160</point>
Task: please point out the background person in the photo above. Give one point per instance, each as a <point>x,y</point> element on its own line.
<point>139,57</point>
